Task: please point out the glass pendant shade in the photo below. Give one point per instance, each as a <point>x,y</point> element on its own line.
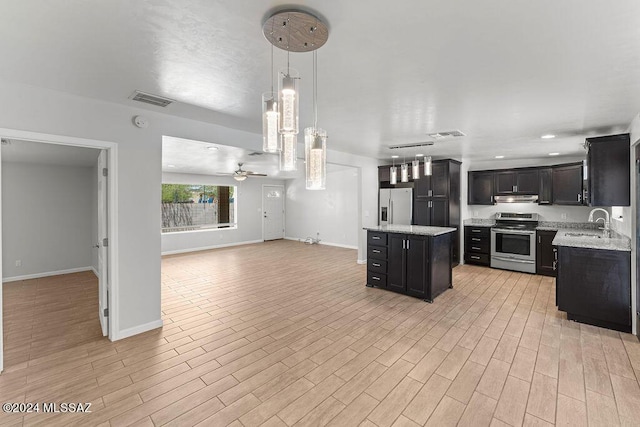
<point>428,166</point>
<point>393,175</point>
<point>315,154</point>
<point>270,115</point>
<point>415,169</point>
<point>585,170</point>
<point>288,98</point>
<point>288,153</point>
<point>404,172</point>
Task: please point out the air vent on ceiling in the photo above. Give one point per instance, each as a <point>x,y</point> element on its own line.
<point>148,98</point>
<point>448,134</point>
<point>414,145</point>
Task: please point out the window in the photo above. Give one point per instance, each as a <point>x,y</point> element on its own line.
<point>188,207</point>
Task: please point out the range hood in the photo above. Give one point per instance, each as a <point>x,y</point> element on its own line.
<point>523,198</point>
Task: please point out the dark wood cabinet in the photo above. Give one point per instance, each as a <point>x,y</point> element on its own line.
<point>377,265</point>
<point>477,245</point>
<point>516,181</point>
<point>608,168</point>
<point>545,256</point>
<point>567,184</point>
<point>415,265</point>
<point>480,189</point>
<point>594,286</point>
<point>545,192</point>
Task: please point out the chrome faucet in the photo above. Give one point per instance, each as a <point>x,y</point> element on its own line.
<point>605,220</point>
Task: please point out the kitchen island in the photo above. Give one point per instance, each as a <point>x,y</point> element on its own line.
<point>410,259</point>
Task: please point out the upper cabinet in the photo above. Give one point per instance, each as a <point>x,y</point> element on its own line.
<point>439,183</point>
<point>480,188</point>
<point>516,181</point>
<point>567,184</point>
<point>609,171</point>
<point>545,194</point>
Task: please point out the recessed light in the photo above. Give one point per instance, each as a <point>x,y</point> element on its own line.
<point>499,157</point>
<point>419,155</point>
<point>171,166</point>
<point>212,147</point>
<point>554,154</point>
<point>548,136</point>
<point>394,157</point>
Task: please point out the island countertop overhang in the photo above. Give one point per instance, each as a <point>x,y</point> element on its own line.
<point>421,230</point>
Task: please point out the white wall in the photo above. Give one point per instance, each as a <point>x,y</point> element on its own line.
<point>332,212</point>
<point>249,210</point>
<point>46,218</point>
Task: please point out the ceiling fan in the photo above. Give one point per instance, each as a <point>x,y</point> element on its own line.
<point>241,174</point>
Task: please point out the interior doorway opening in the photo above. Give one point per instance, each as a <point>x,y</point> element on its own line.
<point>58,239</point>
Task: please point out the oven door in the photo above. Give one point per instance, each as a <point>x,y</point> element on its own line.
<point>513,244</point>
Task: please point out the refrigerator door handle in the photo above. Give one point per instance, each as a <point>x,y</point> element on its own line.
<point>391,209</point>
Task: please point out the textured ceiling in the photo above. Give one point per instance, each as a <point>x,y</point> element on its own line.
<point>504,72</point>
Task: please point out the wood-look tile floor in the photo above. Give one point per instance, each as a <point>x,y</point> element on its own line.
<point>283,333</point>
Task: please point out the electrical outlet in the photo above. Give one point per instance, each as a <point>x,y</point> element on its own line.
<point>18,263</point>
<point>563,215</point>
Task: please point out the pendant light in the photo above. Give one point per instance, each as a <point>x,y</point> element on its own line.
<point>393,172</point>
<point>415,168</point>
<point>270,118</point>
<point>404,172</point>
<point>428,166</point>
<point>288,154</point>
<point>315,143</point>
<point>296,31</point>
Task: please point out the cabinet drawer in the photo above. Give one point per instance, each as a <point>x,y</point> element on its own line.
<point>477,245</point>
<point>377,252</point>
<point>376,238</point>
<point>376,279</point>
<point>377,266</point>
<point>474,258</point>
<point>471,231</point>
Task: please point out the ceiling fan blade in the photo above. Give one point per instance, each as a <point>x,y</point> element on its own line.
<point>256,174</point>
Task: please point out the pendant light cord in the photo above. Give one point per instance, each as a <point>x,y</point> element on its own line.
<point>272,24</point>
<point>315,90</point>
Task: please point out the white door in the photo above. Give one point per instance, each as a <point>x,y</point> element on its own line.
<point>273,212</point>
<point>103,279</point>
<point>1,318</point>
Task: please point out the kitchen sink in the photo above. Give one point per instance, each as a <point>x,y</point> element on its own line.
<point>595,236</point>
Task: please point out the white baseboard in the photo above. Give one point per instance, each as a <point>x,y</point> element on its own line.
<point>95,271</point>
<point>206,248</point>
<point>361,261</point>
<point>126,333</point>
<point>45,274</point>
<point>322,242</point>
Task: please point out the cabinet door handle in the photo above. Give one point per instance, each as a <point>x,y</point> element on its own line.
<point>538,239</point>
<point>375,278</point>
<point>375,238</point>
<point>475,248</point>
<point>430,193</point>
<point>579,197</point>
<point>515,188</point>
<point>475,239</point>
<point>375,251</point>
<point>407,244</point>
<point>474,257</point>
<point>475,230</point>
<point>375,264</point>
<point>555,265</point>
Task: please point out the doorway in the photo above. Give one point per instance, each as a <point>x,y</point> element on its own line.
<point>104,167</point>
<point>272,212</point>
<point>637,235</point>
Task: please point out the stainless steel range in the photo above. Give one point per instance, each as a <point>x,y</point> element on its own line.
<point>513,241</point>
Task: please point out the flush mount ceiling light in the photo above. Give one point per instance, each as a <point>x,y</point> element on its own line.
<point>554,154</point>
<point>213,148</point>
<point>548,136</point>
<point>499,157</point>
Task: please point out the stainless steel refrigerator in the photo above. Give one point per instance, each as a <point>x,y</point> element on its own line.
<point>395,206</point>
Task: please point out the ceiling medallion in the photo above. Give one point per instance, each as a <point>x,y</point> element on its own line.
<point>295,31</point>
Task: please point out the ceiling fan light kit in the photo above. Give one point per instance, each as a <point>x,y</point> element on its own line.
<point>295,31</point>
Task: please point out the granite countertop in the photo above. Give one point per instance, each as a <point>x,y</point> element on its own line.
<point>412,229</point>
<point>616,242</point>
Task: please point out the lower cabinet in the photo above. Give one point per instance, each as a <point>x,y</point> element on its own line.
<point>545,256</point>
<point>593,286</point>
<point>416,265</point>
